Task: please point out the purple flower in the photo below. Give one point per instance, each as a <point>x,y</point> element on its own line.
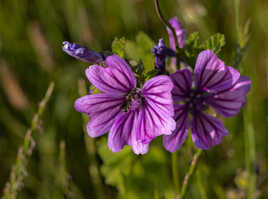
<point>181,33</point>
<point>133,116</point>
<point>82,53</point>
<point>213,84</point>
<point>161,51</point>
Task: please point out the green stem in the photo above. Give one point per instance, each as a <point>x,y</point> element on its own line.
<point>166,23</point>
<point>18,171</point>
<point>175,173</point>
<point>156,194</point>
<point>237,21</point>
<point>201,185</point>
<point>249,151</point>
<point>189,174</point>
<point>237,25</point>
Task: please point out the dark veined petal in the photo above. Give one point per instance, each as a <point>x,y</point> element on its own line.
<point>122,71</point>
<point>153,122</point>
<point>97,103</point>
<point>158,89</point>
<point>138,146</point>
<point>156,113</point>
<point>212,74</point>
<point>182,81</point>
<point>230,101</point>
<point>124,132</point>
<point>109,80</point>
<point>207,130</point>
<point>174,141</point>
<point>102,109</point>
<point>120,131</point>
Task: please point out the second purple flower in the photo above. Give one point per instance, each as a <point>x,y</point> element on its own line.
<point>213,84</point>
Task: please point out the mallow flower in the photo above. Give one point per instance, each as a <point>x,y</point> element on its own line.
<point>212,84</point>
<point>133,116</point>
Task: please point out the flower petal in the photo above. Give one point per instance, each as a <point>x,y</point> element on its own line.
<point>174,141</point>
<point>207,130</point>
<point>153,122</point>
<point>123,71</point>
<point>102,109</point>
<point>97,103</point>
<point>120,131</point>
<point>211,74</point>
<point>138,146</point>
<point>124,132</point>
<point>230,101</point>
<point>182,80</point>
<point>156,114</point>
<point>109,80</point>
<point>158,90</point>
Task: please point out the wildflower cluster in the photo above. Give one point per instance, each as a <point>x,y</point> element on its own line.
<point>165,105</point>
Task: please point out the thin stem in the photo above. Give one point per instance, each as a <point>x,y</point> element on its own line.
<point>201,185</point>
<point>156,194</point>
<point>250,150</point>
<point>237,25</point>
<point>251,161</point>
<point>237,21</point>
<point>175,173</point>
<point>165,22</point>
<point>18,171</point>
<point>189,174</point>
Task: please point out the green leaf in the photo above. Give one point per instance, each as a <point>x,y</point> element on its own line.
<point>193,47</point>
<point>193,41</point>
<point>141,49</point>
<point>118,46</point>
<point>215,43</point>
<point>191,50</point>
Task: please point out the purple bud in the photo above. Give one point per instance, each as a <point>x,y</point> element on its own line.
<point>180,33</point>
<point>161,51</point>
<point>82,53</point>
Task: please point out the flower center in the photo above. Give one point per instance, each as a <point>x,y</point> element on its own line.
<point>134,99</point>
<point>196,100</point>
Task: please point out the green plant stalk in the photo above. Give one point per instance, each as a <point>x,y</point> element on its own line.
<point>18,171</point>
<point>201,185</point>
<point>175,172</point>
<point>156,194</point>
<point>238,52</point>
<point>94,169</point>
<point>189,174</point>
<point>165,22</point>
<point>237,21</point>
<point>251,161</point>
<point>249,138</point>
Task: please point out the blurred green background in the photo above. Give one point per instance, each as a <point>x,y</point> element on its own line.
<point>65,163</point>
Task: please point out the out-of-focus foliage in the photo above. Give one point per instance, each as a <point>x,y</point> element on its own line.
<point>118,47</point>
<point>193,46</point>
<point>65,162</point>
<point>137,176</point>
<point>141,49</point>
